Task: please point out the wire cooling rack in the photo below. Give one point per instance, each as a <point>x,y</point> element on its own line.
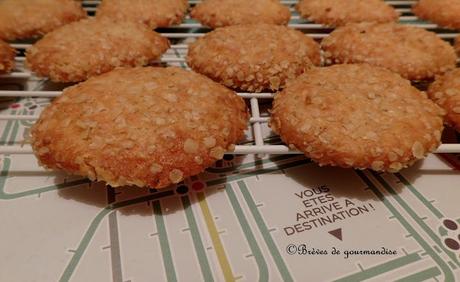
<point>186,32</point>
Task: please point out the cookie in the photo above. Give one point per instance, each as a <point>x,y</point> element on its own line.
<point>253,57</point>
<point>341,12</point>
<point>413,52</point>
<point>21,19</point>
<point>90,47</point>
<point>357,116</point>
<point>6,57</point>
<point>445,91</point>
<point>441,12</point>
<point>140,126</point>
<point>219,13</point>
<point>153,13</point>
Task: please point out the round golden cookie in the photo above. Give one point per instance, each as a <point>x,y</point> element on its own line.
<point>445,91</point>
<point>6,57</point>
<point>357,116</point>
<point>253,57</point>
<point>21,19</point>
<point>341,12</point>
<point>413,52</point>
<point>441,12</point>
<point>90,47</point>
<point>140,126</point>
<point>153,13</point>
<point>218,13</point>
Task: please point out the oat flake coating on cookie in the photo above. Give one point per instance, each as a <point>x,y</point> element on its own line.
<point>6,57</point>
<point>153,13</point>
<point>341,12</point>
<point>140,126</point>
<point>253,57</point>
<point>357,116</point>
<point>442,12</point>
<point>445,91</point>
<point>412,52</point>
<point>218,13</point>
<point>90,47</point>
<point>21,19</point>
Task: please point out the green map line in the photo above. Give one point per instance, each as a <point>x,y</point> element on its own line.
<point>14,133</point>
<point>114,236</point>
<point>6,130</point>
<point>280,264</point>
<point>7,196</point>
<point>449,276</point>
<point>417,194</point>
<point>88,235</point>
<point>250,238</point>
<point>164,242</point>
<point>416,218</point>
<point>422,275</point>
<point>197,241</point>
<point>385,267</point>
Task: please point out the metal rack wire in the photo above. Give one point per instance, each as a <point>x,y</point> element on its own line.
<point>189,30</point>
